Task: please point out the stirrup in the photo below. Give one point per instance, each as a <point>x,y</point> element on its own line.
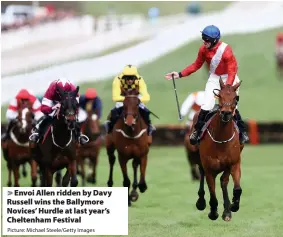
<point>32,135</point>
<point>86,137</point>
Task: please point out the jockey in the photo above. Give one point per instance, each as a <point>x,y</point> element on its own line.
<point>191,105</point>
<point>23,99</point>
<point>90,94</point>
<point>49,105</point>
<point>222,63</point>
<point>129,79</point>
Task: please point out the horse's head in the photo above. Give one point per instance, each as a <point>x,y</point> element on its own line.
<point>131,106</point>
<point>227,100</point>
<point>25,120</point>
<point>69,107</point>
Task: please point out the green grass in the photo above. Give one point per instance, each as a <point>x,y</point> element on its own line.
<point>166,8</point>
<point>168,209</point>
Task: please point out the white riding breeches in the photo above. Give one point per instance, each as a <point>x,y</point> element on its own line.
<point>213,83</point>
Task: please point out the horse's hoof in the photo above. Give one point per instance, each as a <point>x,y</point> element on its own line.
<point>227,216</point>
<point>65,182</point>
<point>91,180</point>
<point>9,184</point>
<point>74,182</point>
<point>213,216</point>
<point>142,187</point>
<point>235,207</point>
<point>134,196</point>
<point>201,204</point>
<point>110,183</point>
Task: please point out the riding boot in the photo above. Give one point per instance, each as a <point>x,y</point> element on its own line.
<point>198,127</point>
<point>39,129</point>
<point>5,136</point>
<point>242,127</point>
<point>146,116</point>
<point>82,139</point>
<point>112,119</point>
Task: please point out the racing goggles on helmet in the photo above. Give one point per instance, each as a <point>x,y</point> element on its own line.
<point>207,39</point>
<point>129,77</point>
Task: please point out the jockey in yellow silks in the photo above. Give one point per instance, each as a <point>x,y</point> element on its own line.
<point>129,79</point>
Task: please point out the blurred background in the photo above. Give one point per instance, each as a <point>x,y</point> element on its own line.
<point>90,42</point>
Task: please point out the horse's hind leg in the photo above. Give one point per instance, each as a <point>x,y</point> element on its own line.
<point>227,215</point>
<point>237,191</point>
<point>134,194</point>
<point>111,159</point>
<point>33,166</point>
<point>142,184</point>
<point>201,203</point>
<point>194,167</point>
<point>210,179</point>
<point>126,180</point>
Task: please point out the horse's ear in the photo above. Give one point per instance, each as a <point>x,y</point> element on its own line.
<point>222,85</point>
<point>236,86</point>
<point>76,91</point>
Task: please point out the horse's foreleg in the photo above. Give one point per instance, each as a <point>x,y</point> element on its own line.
<point>24,171</point>
<point>16,169</point>
<point>33,167</point>
<point>134,194</point>
<point>201,203</point>
<point>58,178</point>
<point>66,178</point>
<point>237,191</point>
<point>73,172</point>
<point>210,179</point>
<point>142,184</point>
<point>9,166</point>
<point>82,168</point>
<point>49,178</point>
<point>126,180</point>
<point>111,159</point>
<point>224,180</point>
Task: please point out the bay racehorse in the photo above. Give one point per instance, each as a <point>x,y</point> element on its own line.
<point>129,137</point>
<point>220,152</point>
<point>16,150</point>
<point>192,154</point>
<point>90,127</point>
<point>57,149</point>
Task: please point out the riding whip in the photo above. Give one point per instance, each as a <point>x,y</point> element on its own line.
<point>178,106</point>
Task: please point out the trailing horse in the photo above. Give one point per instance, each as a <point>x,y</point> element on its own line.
<point>16,150</point>
<point>129,137</point>
<point>91,150</point>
